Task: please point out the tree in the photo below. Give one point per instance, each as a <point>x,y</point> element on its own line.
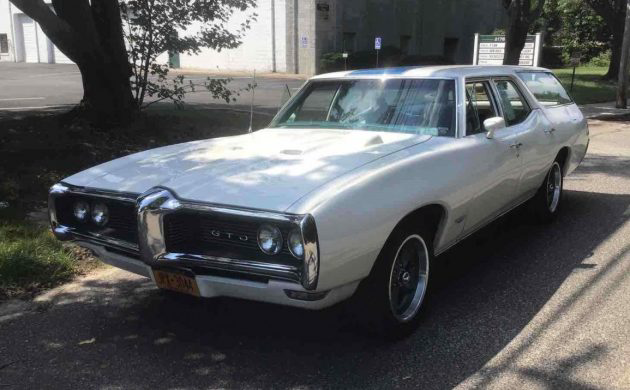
<point>520,15</point>
<point>154,27</point>
<point>90,34</point>
<point>117,77</point>
<point>575,27</point>
<point>622,86</point>
<point>614,13</point>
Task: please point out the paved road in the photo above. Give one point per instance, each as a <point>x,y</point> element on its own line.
<point>34,86</point>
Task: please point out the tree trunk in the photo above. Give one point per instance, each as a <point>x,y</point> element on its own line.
<point>520,16</point>
<point>90,34</point>
<point>622,86</point>
<point>615,49</point>
<point>516,35</point>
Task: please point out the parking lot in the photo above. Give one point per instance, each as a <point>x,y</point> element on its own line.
<point>43,86</point>
<point>518,305</point>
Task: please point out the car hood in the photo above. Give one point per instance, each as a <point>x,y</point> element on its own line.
<point>267,169</point>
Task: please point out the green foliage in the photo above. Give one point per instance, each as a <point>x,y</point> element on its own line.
<point>31,258</point>
<point>153,27</point>
<point>330,62</point>
<point>601,60</point>
<point>574,26</point>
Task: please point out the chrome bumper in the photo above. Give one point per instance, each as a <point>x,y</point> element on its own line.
<point>272,291</point>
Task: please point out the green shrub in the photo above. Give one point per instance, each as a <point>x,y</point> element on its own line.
<point>601,60</point>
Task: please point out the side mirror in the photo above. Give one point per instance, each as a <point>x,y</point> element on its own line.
<point>492,125</point>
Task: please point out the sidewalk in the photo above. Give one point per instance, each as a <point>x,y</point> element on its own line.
<point>594,110</point>
<point>236,74</point>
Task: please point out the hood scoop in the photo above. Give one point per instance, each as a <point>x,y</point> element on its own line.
<point>376,140</point>
<point>292,152</point>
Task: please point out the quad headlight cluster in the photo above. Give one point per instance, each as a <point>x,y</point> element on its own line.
<point>270,241</point>
<point>97,212</point>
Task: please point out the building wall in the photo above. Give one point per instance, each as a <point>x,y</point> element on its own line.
<point>257,49</point>
<point>426,23</point>
<point>5,28</point>
<point>11,19</point>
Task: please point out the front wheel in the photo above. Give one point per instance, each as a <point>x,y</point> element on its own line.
<point>547,201</point>
<point>393,294</point>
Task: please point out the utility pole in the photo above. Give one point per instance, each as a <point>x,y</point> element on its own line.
<point>622,84</point>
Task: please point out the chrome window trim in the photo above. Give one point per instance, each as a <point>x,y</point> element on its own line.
<point>153,205</point>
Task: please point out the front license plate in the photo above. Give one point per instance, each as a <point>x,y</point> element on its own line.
<point>176,282</point>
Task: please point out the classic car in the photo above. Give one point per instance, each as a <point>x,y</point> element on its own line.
<point>358,184</point>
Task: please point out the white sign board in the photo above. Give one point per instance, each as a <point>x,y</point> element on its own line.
<point>304,42</point>
<point>377,43</point>
<point>490,50</point>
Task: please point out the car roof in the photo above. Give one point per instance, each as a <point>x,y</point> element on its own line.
<point>446,71</point>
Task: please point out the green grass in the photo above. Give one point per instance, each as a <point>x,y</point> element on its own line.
<point>31,259</point>
<point>589,86</point>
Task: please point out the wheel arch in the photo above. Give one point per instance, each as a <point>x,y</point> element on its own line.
<point>563,157</point>
<point>431,215</point>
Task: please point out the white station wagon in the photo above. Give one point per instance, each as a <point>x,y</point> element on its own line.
<point>355,188</point>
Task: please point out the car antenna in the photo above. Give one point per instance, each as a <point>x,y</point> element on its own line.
<point>251,106</point>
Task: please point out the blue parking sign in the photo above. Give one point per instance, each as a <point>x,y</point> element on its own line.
<point>377,43</point>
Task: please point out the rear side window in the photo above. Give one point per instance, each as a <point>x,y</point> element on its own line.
<point>546,88</point>
<point>515,108</point>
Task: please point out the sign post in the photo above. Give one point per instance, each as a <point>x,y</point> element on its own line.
<point>377,47</point>
<point>345,61</point>
<point>490,50</point>
<point>575,62</point>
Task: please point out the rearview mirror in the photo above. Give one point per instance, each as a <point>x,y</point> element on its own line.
<point>492,125</point>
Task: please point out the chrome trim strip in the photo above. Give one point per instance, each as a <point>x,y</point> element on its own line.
<point>246,266</point>
<point>310,272</point>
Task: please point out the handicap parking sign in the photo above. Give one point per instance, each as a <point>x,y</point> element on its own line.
<point>377,43</point>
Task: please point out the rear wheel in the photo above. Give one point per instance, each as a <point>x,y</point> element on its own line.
<point>392,296</point>
<point>547,201</point>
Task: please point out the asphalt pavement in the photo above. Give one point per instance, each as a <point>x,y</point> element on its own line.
<point>518,305</point>
<point>28,87</point>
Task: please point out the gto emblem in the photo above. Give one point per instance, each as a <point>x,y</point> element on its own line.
<point>231,236</point>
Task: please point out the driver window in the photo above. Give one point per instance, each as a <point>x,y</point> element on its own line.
<point>479,106</point>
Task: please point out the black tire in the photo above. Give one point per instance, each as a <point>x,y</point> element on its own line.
<point>548,200</point>
<point>374,296</point>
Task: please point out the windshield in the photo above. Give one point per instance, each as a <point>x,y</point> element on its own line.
<point>415,106</point>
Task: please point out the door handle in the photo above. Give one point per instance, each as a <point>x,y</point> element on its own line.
<point>516,145</point>
<point>550,131</point>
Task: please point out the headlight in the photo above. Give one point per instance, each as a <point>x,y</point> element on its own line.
<point>296,245</point>
<point>81,211</point>
<point>269,239</point>
<point>100,214</point>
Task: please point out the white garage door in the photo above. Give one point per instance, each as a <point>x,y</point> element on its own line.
<point>61,58</point>
<point>30,39</point>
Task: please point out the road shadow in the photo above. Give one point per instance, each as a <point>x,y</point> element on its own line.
<point>129,335</point>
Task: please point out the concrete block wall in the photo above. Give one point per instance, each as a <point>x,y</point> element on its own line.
<point>257,48</point>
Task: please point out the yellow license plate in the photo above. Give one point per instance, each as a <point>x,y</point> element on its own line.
<point>176,282</point>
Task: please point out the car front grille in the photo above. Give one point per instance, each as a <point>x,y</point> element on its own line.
<point>215,234</point>
<point>122,224</point>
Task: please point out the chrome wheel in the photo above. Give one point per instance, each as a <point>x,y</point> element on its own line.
<point>408,278</point>
<point>554,187</point>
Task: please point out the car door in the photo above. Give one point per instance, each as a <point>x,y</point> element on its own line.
<point>531,130</point>
<point>493,163</point>
<point>559,119</point>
